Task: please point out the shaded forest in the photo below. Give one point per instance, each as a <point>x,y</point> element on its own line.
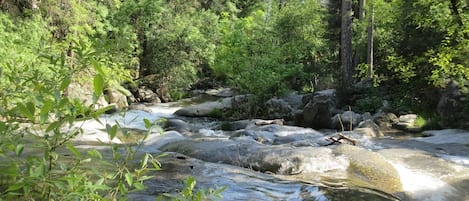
<point>412,52</point>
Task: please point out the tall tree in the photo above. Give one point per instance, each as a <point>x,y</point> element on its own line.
<point>369,54</point>
<point>346,44</point>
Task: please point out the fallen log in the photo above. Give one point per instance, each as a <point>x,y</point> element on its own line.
<point>339,139</point>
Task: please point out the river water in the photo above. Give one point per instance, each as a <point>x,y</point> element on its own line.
<point>291,163</point>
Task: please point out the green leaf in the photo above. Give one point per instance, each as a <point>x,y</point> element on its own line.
<point>139,186</point>
<point>19,149</point>
<point>191,182</point>
<point>15,187</point>
<point>98,83</point>
<point>74,150</point>
<point>103,110</point>
<point>25,111</point>
<point>145,160</point>
<point>111,130</point>
<point>129,179</point>
<point>147,123</point>
<point>65,83</point>
<point>95,153</point>
<point>46,107</point>
<point>53,126</point>
<point>44,113</point>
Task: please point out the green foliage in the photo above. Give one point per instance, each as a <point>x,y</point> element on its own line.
<point>369,104</point>
<point>190,193</point>
<point>44,174</point>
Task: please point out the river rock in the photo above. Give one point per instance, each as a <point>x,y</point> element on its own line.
<point>385,120</point>
<point>369,128</point>
<point>278,134</point>
<point>118,98</point>
<point>155,141</point>
<point>451,104</point>
<point>407,123</point>
<point>318,112</point>
<point>221,92</point>
<point>179,126</point>
<point>146,95</point>
<point>253,155</point>
<point>425,176</point>
<point>238,125</point>
<point>294,100</point>
<point>348,119</point>
<point>207,109</point>
<point>370,169</point>
<point>278,109</point>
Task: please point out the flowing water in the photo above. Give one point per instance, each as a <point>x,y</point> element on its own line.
<point>290,163</point>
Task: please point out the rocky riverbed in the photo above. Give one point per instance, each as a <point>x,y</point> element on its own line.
<point>259,161</point>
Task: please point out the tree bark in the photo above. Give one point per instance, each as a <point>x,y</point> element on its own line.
<point>361,16</point>
<point>346,44</point>
<point>370,43</point>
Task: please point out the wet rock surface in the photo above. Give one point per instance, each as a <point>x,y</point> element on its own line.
<point>280,162</point>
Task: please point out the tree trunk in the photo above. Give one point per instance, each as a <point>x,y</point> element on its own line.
<point>361,16</point>
<point>370,43</point>
<point>346,44</point>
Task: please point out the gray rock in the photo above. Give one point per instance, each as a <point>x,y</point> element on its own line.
<point>366,116</point>
<point>118,98</point>
<point>156,141</point>
<point>407,123</point>
<point>369,128</point>
<point>294,100</point>
<point>278,109</point>
<point>451,104</point>
<point>346,118</point>
<point>370,169</point>
<point>144,94</point>
<point>385,120</point>
<point>250,154</point>
<point>221,92</point>
<point>205,109</point>
<point>318,112</point>
<point>179,126</point>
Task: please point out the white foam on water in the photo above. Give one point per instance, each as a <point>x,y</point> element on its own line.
<point>94,130</point>
<point>327,163</point>
<point>423,186</point>
<point>461,160</point>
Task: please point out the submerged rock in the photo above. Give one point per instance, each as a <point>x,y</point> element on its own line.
<point>370,169</point>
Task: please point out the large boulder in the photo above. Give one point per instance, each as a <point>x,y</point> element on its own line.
<point>146,95</point>
<point>250,154</point>
<point>451,105</point>
<point>212,108</point>
<point>294,100</point>
<point>318,112</point>
<point>369,128</point>
<point>370,169</point>
<point>408,122</point>
<point>118,98</point>
<point>347,120</point>
<point>385,120</point>
<point>278,109</point>
<point>207,109</point>
<point>83,92</point>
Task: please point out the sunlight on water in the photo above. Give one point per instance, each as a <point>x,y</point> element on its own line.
<point>421,186</point>
<point>461,160</point>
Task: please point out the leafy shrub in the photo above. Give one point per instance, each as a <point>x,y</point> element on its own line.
<point>369,104</point>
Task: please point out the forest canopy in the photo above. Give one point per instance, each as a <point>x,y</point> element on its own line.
<point>263,47</point>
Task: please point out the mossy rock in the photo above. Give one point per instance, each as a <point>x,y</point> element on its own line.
<point>369,169</point>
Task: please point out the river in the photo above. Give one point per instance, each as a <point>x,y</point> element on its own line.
<point>276,162</point>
